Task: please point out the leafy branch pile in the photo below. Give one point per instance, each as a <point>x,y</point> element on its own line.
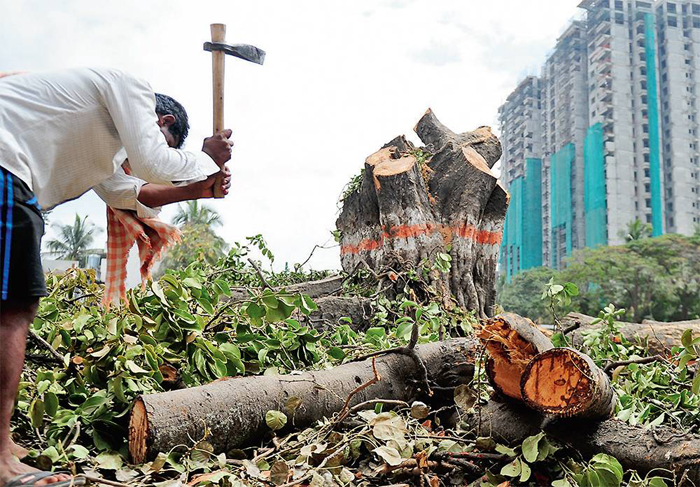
<point>86,366</point>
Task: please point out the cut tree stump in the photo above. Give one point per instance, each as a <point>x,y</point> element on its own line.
<point>408,209</point>
<point>566,382</point>
<point>635,447</point>
<point>660,336</point>
<point>233,410</point>
<point>511,341</point>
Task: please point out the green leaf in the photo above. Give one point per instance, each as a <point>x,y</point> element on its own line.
<point>36,412</point>
<point>530,447</point>
<point>525,472</point>
<point>687,338</point>
<point>696,384</point>
<point>512,469</point>
<point>78,451</point>
<point>109,461</point>
<point>50,403</point>
<point>336,353</point>
<point>657,482</point>
<point>275,420</point>
<point>561,483</point>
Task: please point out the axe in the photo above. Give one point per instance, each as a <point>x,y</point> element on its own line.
<point>218,49</point>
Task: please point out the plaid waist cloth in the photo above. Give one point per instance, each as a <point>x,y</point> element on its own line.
<point>123,229</point>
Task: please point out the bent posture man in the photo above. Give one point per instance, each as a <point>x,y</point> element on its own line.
<point>59,134</point>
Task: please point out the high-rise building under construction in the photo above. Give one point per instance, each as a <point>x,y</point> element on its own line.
<point>618,133</point>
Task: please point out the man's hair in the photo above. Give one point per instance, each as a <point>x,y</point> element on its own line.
<point>166,105</point>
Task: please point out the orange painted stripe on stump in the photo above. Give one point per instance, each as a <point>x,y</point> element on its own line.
<point>412,231</point>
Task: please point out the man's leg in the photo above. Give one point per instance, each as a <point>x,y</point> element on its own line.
<point>15,317</point>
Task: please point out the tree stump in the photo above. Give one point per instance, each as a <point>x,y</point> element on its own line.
<point>416,203</point>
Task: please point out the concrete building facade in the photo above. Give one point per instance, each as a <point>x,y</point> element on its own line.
<point>678,34</point>
<point>619,126</point>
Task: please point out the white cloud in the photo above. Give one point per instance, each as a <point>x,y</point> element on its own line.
<point>340,80</point>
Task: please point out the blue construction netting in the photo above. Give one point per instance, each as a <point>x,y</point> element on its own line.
<point>531,254</point>
<point>561,204</point>
<point>521,247</point>
<point>594,201</point>
<point>654,170</point>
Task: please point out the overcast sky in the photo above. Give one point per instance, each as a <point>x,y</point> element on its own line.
<point>341,78</point>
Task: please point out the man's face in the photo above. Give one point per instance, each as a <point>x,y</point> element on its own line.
<point>164,122</point>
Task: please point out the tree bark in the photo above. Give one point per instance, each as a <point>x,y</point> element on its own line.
<point>234,409</point>
<point>567,383</point>
<point>635,447</point>
<point>406,211</point>
<point>511,341</point>
<point>660,336</point>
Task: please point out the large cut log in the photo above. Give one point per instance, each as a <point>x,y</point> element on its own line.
<point>233,410</point>
<point>660,336</point>
<point>566,382</point>
<point>408,209</point>
<point>511,341</point>
<point>635,447</point>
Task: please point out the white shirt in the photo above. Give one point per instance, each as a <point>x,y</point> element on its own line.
<point>60,132</point>
<point>122,190</point>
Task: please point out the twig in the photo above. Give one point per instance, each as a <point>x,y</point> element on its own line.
<point>219,313</point>
<point>571,328</point>
<point>372,402</point>
<point>82,296</point>
<point>314,250</point>
<point>46,345</point>
<point>346,407</point>
<point>643,360</point>
<point>102,481</point>
<point>260,274</point>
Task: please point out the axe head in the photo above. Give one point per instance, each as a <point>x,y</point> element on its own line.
<point>243,51</point>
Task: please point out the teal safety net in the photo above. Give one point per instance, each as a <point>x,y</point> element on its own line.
<point>561,204</point>
<point>511,247</point>
<point>531,255</point>
<point>652,96</point>
<point>594,202</point>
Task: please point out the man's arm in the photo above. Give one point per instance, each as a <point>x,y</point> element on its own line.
<point>156,195</point>
<point>131,105</point>
<point>126,192</point>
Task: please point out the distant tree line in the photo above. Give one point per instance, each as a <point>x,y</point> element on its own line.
<point>655,278</point>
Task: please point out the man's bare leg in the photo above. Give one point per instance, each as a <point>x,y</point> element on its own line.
<point>15,317</point>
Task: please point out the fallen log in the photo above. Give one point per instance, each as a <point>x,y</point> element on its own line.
<point>659,336</point>
<point>335,310</point>
<point>416,203</point>
<point>635,447</point>
<point>233,410</point>
<point>567,383</point>
<point>314,289</point>
<point>511,341</point>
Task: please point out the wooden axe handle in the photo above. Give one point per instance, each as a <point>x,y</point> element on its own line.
<point>218,34</point>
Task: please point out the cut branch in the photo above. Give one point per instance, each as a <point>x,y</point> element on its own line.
<point>234,409</point>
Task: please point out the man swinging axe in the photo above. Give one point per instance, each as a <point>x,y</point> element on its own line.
<point>59,134</point>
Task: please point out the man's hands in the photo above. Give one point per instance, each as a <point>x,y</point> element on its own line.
<point>205,189</point>
<point>219,147</point>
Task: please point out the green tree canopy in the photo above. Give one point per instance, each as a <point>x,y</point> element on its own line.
<point>73,240</point>
<point>195,213</point>
<point>656,278</point>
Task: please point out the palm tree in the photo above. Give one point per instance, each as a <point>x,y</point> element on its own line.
<point>636,230</point>
<point>194,213</point>
<point>74,240</point>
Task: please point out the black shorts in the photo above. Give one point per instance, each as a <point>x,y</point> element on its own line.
<point>21,229</point>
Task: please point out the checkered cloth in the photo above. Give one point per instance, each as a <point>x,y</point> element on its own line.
<point>123,229</point>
